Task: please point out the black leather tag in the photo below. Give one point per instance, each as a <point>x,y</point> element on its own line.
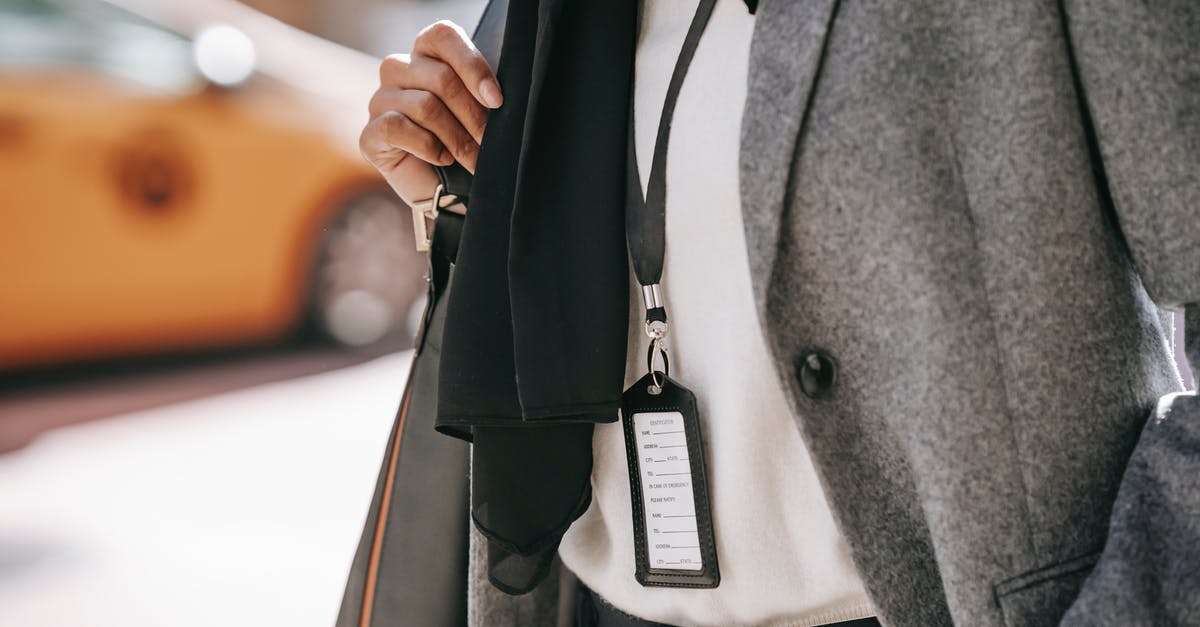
<point>672,525</point>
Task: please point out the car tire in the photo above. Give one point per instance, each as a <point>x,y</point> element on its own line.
<point>367,274</point>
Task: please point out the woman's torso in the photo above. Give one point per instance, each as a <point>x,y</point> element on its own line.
<point>782,560</point>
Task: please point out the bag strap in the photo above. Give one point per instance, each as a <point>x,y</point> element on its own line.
<point>455,179</point>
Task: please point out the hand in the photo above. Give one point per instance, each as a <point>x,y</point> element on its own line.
<point>430,109</point>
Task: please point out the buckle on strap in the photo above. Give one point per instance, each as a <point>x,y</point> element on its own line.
<point>425,212</point>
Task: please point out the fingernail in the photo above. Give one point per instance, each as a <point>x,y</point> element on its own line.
<point>491,93</point>
<point>445,158</point>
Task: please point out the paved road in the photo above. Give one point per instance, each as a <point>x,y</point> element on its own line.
<point>33,402</point>
<point>242,508</point>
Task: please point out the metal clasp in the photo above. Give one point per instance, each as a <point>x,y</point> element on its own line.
<point>425,212</point>
<point>656,329</point>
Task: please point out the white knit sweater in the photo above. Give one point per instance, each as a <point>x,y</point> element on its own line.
<point>782,559</point>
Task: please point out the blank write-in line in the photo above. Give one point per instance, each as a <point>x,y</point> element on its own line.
<point>666,432</point>
<point>679,515</point>
<point>673,446</point>
<point>671,474</point>
<point>679,531</point>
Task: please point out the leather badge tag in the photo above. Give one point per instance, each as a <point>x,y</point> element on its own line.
<point>672,524</point>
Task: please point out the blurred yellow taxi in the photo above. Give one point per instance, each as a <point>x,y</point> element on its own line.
<point>178,175</point>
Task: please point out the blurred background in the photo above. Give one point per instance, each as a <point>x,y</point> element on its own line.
<point>208,303</point>
<point>207,308</point>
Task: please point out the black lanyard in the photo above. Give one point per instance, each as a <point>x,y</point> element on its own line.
<point>657,406</point>
<point>645,218</point>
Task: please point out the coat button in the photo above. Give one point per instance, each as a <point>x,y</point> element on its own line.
<point>817,374</point>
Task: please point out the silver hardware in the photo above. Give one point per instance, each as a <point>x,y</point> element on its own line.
<point>657,329</point>
<point>427,210</point>
<point>659,347</point>
<point>652,296</point>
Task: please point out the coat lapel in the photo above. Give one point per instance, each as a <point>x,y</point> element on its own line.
<point>785,58</point>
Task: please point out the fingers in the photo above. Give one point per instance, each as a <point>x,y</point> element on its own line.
<point>430,106</point>
<point>429,112</point>
<point>390,137</point>
<point>449,43</point>
<point>437,77</point>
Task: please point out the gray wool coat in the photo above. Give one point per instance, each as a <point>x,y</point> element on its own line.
<point>980,213</point>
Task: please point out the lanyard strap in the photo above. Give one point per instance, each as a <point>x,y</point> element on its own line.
<point>645,218</point>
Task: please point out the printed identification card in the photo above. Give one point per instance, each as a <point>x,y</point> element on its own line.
<point>673,535</point>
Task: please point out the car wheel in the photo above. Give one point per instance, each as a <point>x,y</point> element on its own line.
<point>367,274</point>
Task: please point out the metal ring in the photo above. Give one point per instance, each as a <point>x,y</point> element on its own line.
<point>660,347</point>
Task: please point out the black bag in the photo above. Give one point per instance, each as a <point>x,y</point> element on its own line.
<point>411,564</point>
